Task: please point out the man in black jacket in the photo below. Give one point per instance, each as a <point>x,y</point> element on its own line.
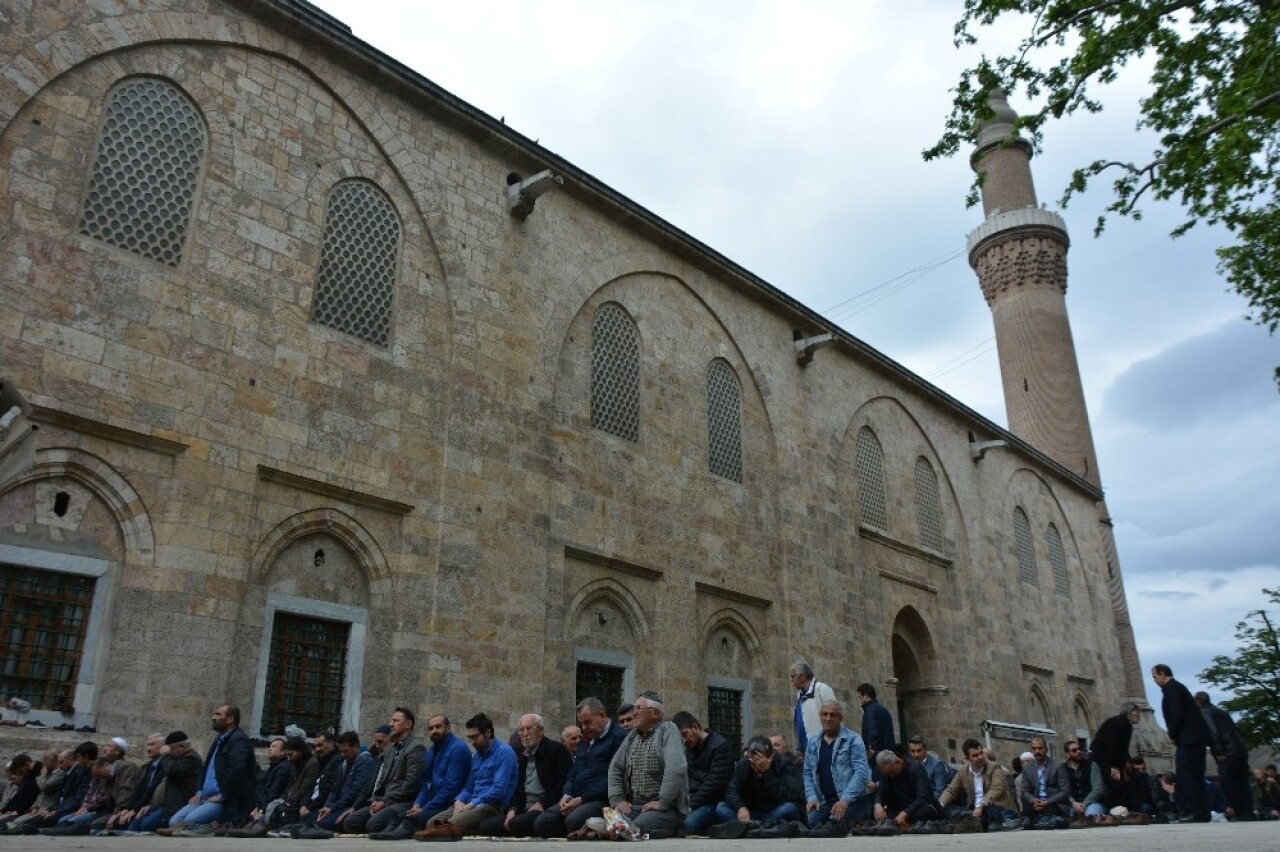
<point>710,759</point>
<point>536,790</point>
<point>180,769</point>
<point>271,783</point>
<point>765,786</point>
<point>149,779</point>
<point>906,794</point>
<point>1230,753</point>
<point>1110,750</point>
<point>229,777</point>
<point>1191,737</point>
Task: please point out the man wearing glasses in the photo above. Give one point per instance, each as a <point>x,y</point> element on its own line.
<point>1086,787</point>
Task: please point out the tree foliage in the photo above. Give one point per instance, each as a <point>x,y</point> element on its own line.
<point>1213,103</point>
<point>1252,676</point>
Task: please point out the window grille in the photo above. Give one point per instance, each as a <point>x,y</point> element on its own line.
<point>306,674</point>
<point>355,286</point>
<point>724,714</point>
<point>144,177</point>
<point>602,682</point>
<point>1058,560</point>
<point>615,373</point>
<point>928,505</point>
<point>724,422</point>
<point>43,619</point>
<point>870,467</point>
<point>1026,553</point>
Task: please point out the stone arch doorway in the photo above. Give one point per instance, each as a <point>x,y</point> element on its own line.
<point>920,696</point>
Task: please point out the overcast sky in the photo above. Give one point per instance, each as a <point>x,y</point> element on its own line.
<point>788,136</point>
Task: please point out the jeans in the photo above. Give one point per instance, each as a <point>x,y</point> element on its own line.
<point>787,811</point>
<point>701,818</point>
<point>197,814</point>
<point>150,821</point>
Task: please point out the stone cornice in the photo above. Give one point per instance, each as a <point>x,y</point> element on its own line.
<point>328,489</point>
<point>1010,222</point>
<point>98,428</point>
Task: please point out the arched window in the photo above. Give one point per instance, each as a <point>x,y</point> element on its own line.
<point>869,460</point>
<point>724,421</point>
<point>928,505</point>
<point>1058,560</point>
<point>1026,553</point>
<point>143,185</point>
<point>355,286</point>
<point>615,373</point>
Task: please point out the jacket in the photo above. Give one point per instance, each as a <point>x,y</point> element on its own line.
<point>850,771</point>
<point>811,701</point>
<point>1057,784</point>
<point>25,791</point>
<point>1085,782</point>
<point>877,726</point>
<point>271,783</point>
<point>1182,717</point>
<point>492,780</point>
<point>126,778</point>
<point>673,794</point>
<point>446,766</point>
<point>237,774</point>
<point>551,762</point>
<point>589,777</point>
<point>149,778</point>
<point>940,772</point>
<point>350,781</point>
<point>911,792</point>
<point>995,788</point>
<point>182,776</point>
<point>711,766</point>
<point>1110,746</point>
<point>302,780</point>
<point>50,786</point>
<point>1224,736</point>
<point>782,782</point>
<point>403,775</point>
<point>74,786</point>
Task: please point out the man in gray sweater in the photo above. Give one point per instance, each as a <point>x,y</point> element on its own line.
<point>649,778</point>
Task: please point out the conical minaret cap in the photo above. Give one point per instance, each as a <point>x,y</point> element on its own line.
<point>998,129</point>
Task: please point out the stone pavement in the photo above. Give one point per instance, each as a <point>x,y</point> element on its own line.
<point>1230,837</point>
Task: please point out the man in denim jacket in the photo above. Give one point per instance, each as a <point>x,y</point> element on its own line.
<point>836,772</point>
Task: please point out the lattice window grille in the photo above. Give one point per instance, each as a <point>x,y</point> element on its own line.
<point>1026,553</point>
<point>44,616</point>
<point>144,177</point>
<point>870,467</point>
<point>928,505</point>
<point>1057,559</point>
<point>593,680</point>
<point>615,373</point>
<point>724,422</point>
<point>306,674</point>
<point>355,286</point>
<point>724,715</point>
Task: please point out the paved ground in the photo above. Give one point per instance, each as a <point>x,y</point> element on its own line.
<point>1233,837</point>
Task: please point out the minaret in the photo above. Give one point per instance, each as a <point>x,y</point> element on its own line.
<point>1020,256</point>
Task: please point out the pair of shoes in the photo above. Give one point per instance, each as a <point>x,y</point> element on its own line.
<point>931,826</point>
<point>1012,824</point>
<point>257,829</point>
<point>315,832</point>
<point>286,831</point>
<point>66,829</point>
<point>731,830</point>
<point>1081,822</point>
<point>440,831</point>
<point>204,829</point>
<point>171,831</point>
<point>967,824</point>
<point>830,828</point>
<point>779,830</point>
<point>402,830</point>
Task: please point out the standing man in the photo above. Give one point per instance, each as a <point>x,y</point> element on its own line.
<point>1110,750</point>
<point>877,724</point>
<point>710,759</point>
<point>836,774</point>
<point>1230,753</point>
<point>810,696</point>
<point>648,777</point>
<point>1191,737</point>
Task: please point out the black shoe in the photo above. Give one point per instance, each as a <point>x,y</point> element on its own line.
<point>315,832</point>
<point>830,829</point>
<point>731,830</point>
<point>780,830</point>
<point>402,830</point>
<point>65,830</point>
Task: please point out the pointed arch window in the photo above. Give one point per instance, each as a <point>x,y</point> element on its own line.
<point>928,505</point>
<point>869,461</point>
<point>724,421</point>
<point>615,373</point>
<point>143,186</point>
<point>355,286</point>
<point>1026,552</point>
<point>1058,560</point>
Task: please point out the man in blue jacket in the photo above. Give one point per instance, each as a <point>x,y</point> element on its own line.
<point>836,775</point>
<point>355,767</point>
<point>586,789</point>
<point>489,787</point>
